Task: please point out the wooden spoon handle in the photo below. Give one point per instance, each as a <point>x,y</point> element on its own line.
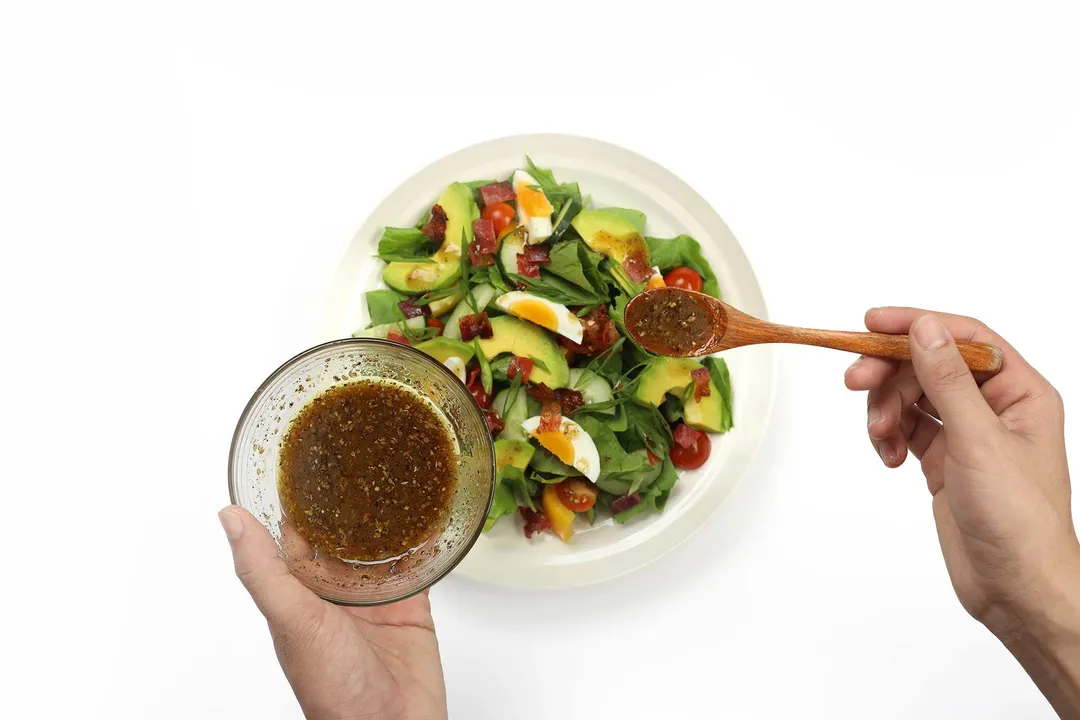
<point>980,357</point>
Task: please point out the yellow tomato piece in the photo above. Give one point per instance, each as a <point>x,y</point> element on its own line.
<point>561,517</point>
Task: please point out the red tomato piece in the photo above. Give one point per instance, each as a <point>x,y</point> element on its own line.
<point>685,278</point>
<point>500,215</point>
<point>522,365</point>
<point>434,322</point>
<point>652,458</point>
<point>691,448</point>
<point>476,387</point>
<point>395,336</point>
<point>578,494</point>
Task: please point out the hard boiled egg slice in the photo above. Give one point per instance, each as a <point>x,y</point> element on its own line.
<point>534,210</point>
<point>569,443</point>
<point>546,314</point>
<point>656,281</point>
<point>456,365</point>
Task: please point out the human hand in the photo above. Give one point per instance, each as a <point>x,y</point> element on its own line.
<point>993,457</point>
<point>342,662</point>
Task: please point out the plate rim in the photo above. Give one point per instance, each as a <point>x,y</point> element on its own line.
<point>668,537</point>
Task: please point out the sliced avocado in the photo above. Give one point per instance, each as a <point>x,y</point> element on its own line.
<point>510,335</point>
<point>672,375</point>
<point>416,278</point>
<point>513,452</point>
<point>615,233</point>
<point>444,305</point>
<point>442,348</point>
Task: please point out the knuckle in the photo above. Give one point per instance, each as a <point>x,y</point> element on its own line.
<point>948,374</point>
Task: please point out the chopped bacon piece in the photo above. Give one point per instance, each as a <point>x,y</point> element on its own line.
<point>637,267</point>
<point>484,235</point>
<point>527,268</point>
<point>701,383</point>
<point>395,336</point>
<point>474,325</point>
<point>542,393</point>
<point>624,503</point>
<point>520,285</point>
<point>686,436</point>
<point>599,333</point>
<point>495,423</point>
<point>478,258</point>
<point>537,254</point>
<point>535,521</point>
<point>522,365</point>
<point>436,226</point>
<point>569,400</point>
<point>497,193</point>
<point>411,310</point>
<point>550,417</point>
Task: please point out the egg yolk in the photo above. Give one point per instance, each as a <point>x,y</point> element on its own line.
<point>536,312</point>
<point>558,444</point>
<point>533,202</point>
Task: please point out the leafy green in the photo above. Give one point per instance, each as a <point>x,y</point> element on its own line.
<point>554,288</point>
<point>383,306</point>
<point>566,263</point>
<point>405,245</point>
<point>499,367</point>
<point>646,429</point>
<point>590,264</point>
<point>523,489</point>
<point>718,370</point>
<point>557,193</point>
<point>590,515</point>
<point>466,265</point>
<point>430,297</point>
<point>503,503</point>
<point>671,409</point>
<point>543,461</point>
<point>419,334</point>
<point>485,367</point>
<point>683,251</point>
<point>613,458</point>
<point>648,503</point>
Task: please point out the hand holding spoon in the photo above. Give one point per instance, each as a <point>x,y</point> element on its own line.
<point>682,323</point>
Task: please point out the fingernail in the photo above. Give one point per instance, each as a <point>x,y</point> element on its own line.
<point>930,333</point>
<point>873,416</point>
<point>885,450</point>
<point>231,523</point>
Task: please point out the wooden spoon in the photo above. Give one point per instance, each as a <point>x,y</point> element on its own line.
<point>682,323</point>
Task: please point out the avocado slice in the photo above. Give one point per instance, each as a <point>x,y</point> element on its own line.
<point>442,348</point>
<point>416,278</point>
<point>672,375</point>
<point>510,335</point>
<point>513,452</point>
<point>615,233</point>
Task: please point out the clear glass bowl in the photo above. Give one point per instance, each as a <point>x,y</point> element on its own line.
<point>253,466</point>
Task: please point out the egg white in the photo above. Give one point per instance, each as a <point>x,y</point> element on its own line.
<point>456,365</point>
<point>539,226</point>
<point>567,323</point>
<point>586,458</point>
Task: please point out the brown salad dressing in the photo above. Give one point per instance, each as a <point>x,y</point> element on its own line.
<point>672,322</point>
<point>367,471</point>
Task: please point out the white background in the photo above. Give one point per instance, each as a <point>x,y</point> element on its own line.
<point>177,185</point>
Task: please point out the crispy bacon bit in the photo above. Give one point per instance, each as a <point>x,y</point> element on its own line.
<point>527,268</point>
<point>522,365</point>
<point>478,258</point>
<point>599,332</point>
<point>624,503</point>
<point>497,193</point>
<point>550,417</point>
<point>484,235</point>
<point>395,336</point>
<point>637,267</point>
<point>520,285</point>
<point>535,521</point>
<point>474,325</point>
<point>569,400</point>
<point>701,383</point>
<point>537,254</point>
<point>411,310</point>
<point>686,436</point>
<point>436,226</point>
<point>495,423</point>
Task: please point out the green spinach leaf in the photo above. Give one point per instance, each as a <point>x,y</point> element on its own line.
<point>718,370</point>
<point>405,245</point>
<point>383,306</point>
<point>683,251</point>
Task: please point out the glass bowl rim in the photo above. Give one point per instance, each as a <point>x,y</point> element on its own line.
<point>424,359</point>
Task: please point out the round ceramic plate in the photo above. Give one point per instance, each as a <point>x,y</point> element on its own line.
<point>616,177</point>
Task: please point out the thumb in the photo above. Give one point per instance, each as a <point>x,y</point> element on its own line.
<point>277,593</point>
<point>946,379</point>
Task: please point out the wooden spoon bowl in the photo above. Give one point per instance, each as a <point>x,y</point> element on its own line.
<point>682,323</point>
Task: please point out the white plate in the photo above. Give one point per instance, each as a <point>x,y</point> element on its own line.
<point>612,176</point>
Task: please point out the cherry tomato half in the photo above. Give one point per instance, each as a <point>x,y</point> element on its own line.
<point>693,456</point>
<point>578,494</point>
<point>395,336</point>
<point>685,278</point>
<point>436,323</point>
<point>501,216</point>
<point>476,387</point>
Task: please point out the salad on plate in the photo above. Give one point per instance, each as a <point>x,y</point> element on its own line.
<point>518,286</point>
